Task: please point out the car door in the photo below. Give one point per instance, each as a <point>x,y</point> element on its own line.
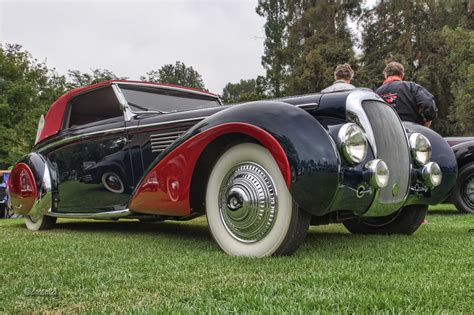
<point>93,161</point>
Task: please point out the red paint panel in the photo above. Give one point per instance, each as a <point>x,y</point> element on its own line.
<point>165,190</point>
<point>22,187</point>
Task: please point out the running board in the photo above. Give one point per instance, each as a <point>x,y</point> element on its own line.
<point>101,215</point>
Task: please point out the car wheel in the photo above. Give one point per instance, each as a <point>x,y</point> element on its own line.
<point>39,223</point>
<point>405,221</point>
<point>249,208</point>
<point>3,211</point>
<point>463,194</point>
<point>112,182</point>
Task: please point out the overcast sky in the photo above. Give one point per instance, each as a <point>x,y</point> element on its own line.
<point>221,39</point>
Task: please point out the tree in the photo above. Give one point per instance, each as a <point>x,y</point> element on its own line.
<point>460,59</point>
<point>273,60</point>
<point>77,78</point>
<point>27,89</point>
<point>411,32</point>
<point>177,74</point>
<point>318,40</point>
<point>244,91</point>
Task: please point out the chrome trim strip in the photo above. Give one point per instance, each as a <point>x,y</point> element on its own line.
<point>459,138</point>
<point>171,88</point>
<point>44,202</point>
<point>308,106</point>
<point>127,113</point>
<point>357,115</point>
<point>113,131</point>
<point>102,215</point>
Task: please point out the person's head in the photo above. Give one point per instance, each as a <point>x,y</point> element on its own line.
<point>344,72</point>
<point>394,69</point>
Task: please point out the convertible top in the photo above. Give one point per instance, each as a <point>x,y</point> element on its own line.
<point>55,114</point>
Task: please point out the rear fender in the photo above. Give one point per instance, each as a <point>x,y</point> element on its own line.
<point>302,148</point>
<point>31,186</point>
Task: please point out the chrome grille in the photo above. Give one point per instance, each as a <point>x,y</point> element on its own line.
<point>392,147</point>
<point>159,142</point>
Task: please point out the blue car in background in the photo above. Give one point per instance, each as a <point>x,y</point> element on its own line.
<point>4,213</point>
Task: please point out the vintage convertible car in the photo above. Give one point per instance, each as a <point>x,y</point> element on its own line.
<point>262,172</point>
<point>463,194</point>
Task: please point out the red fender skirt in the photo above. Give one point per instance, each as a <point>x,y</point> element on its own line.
<point>22,187</point>
<point>165,190</point>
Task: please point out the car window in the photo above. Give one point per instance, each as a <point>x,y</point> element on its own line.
<point>92,107</point>
<point>145,98</point>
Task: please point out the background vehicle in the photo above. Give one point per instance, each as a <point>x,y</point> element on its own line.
<point>4,213</point>
<point>463,194</point>
<point>260,171</point>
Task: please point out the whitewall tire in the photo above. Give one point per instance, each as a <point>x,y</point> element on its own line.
<point>39,223</point>
<point>249,208</point>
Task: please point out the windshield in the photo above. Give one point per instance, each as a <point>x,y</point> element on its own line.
<point>141,98</point>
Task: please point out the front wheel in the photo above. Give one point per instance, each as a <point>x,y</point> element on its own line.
<point>463,194</point>
<point>39,223</point>
<point>249,208</point>
<point>406,221</point>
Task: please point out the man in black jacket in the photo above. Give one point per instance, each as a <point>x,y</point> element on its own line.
<point>411,101</point>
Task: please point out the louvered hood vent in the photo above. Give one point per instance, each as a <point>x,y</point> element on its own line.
<point>159,142</point>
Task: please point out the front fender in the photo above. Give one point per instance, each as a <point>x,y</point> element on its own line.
<point>309,148</point>
<point>444,156</point>
<point>309,151</point>
<point>464,153</point>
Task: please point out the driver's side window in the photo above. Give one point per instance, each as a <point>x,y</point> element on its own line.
<point>93,106</point>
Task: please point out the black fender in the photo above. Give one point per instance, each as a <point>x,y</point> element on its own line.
<point>311,152</point>
<point>464,153</point>
<point>45,179</point>
<point>444,156</point>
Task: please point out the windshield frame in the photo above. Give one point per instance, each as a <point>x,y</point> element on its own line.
<point>130,113</point>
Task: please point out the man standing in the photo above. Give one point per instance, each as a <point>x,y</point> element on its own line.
<point>343,75</point>
<point>411,101</point>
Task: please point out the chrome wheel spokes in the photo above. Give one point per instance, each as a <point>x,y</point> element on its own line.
<point>248,202</point>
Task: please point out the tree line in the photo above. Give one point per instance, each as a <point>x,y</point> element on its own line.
<point>304,41</point>
<point>28,88</point>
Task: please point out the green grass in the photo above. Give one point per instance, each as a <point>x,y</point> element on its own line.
<point>126,266</point>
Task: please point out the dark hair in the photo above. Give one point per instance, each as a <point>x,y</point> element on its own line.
<point>344,71</point>
<point>394,68</point>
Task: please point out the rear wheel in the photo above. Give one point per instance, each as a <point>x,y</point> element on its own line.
<point>249,208</point>
<point>406,221</point>
<point>39,223</point>
<point>463,194</point>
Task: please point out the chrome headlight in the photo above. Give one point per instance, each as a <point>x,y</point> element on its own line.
<point>379,173</point>
<point>352,143</point>
<point>420,148</point>
<point>432,174</point>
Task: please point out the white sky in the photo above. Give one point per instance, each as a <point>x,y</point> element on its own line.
<point>221,39</point>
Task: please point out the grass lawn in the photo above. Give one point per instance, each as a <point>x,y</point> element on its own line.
<point>127,266</point>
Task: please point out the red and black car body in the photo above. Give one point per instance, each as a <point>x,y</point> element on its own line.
<point>126,149</point>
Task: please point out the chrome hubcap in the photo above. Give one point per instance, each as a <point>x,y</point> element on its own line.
<point>248,202</point>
